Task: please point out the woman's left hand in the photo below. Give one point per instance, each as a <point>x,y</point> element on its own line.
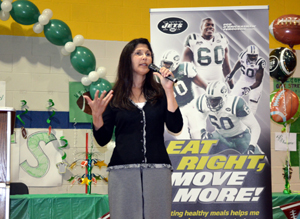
<point>166,83</point>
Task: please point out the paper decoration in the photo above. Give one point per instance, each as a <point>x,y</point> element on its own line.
<point>39,155</point>
<point>285,141</point>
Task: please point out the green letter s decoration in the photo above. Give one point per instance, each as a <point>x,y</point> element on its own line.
<point>43,161</point>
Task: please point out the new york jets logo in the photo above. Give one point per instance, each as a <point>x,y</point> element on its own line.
<point>273,63</point>
<point>223,90</point>
<point>172,25</point>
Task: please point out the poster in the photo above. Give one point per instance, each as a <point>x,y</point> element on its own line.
<point>79,111</point>
<point>39,157</point>
<point>221,159</point>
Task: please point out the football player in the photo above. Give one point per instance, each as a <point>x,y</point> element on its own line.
<point>209,51</point>
<point>234,124</point>
<point>186,75</point>
<point>249,83</point>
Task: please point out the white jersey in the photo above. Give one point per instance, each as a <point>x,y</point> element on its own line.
<point>248,71</point>
<point>185,74</point>
<point>226,121</point>
<point>208,55</point>
<point>248,78</point>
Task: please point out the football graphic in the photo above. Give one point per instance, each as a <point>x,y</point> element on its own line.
<point>286,29</point>
<point>82,104</point>
<point>284,106</point>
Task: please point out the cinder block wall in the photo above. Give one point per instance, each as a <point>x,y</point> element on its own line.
<point>35,70</point>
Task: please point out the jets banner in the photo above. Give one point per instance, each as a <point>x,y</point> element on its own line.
<point>221,158</point>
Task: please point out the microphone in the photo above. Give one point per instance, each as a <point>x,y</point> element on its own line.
<point>156,69</point>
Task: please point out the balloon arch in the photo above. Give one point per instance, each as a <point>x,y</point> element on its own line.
<point>58,33</point>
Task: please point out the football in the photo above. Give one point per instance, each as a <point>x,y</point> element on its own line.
<point>283,63</point>
<point>284,106</point>
<point>291,209</point>
<point>24,132</point>
<point>286,29</point>
<point>82,104</point>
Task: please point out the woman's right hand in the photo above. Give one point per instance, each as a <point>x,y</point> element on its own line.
<point>98,106</point>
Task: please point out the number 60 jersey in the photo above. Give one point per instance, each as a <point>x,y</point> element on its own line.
<point>228,121</point>
<point>185,73</point>
<point>249,69</point>
<point>208,55</point>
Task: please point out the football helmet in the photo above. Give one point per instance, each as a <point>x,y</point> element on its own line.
<point>252,54</point>
<point>170,60</point>
<point>216,94</point>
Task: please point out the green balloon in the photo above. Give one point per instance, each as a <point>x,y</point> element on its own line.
<point>283,63</point>
<point>57,32</point>
<point>101,85</point>
<point>0,4</point>
<point>83,60</point>
<point>24,12</point>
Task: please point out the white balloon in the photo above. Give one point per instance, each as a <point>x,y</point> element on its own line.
<point>78,40</point>
<point>6,6</point>
<point>101,71</point>
<point>85,81</point>
<point>4,15</point>
<point>38,28</point>
<point>43,19</point>
<point>70,46</point>
<point>64,52</point>
<point>93,76</point>
<point>9,1</point>
<point>48,13</point>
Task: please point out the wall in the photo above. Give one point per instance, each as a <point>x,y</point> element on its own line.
<point>123,20</point>
<point>34,69</point>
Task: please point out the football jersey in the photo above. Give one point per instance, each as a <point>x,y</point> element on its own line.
<point>208,55</point>
<point>226,121</point>
<point>248,71</point>
<point>185,74</point>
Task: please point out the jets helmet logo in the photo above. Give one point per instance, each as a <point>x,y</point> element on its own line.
<point>224,90</point>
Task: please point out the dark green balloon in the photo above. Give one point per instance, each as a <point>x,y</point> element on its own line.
<point>283,62</point>
<point>24,12</point>
<point>0,4</point>
<point>101,85</point>
<point>83,60</point>
<point>57,32</point>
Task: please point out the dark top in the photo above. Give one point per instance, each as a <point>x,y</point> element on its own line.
<point>139,133</point>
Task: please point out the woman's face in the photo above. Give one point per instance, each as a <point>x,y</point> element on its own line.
<point>141,58</point>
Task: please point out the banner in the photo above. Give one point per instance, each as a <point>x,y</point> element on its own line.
<point>221,159</point>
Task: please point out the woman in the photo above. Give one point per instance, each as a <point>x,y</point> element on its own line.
<point>138,107</point>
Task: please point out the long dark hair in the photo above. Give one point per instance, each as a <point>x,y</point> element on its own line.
<point>122,88</point>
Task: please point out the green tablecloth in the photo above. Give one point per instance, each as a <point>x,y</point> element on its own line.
<point>279,199</point>
<point>82,206</point>
<point>58,206</point>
